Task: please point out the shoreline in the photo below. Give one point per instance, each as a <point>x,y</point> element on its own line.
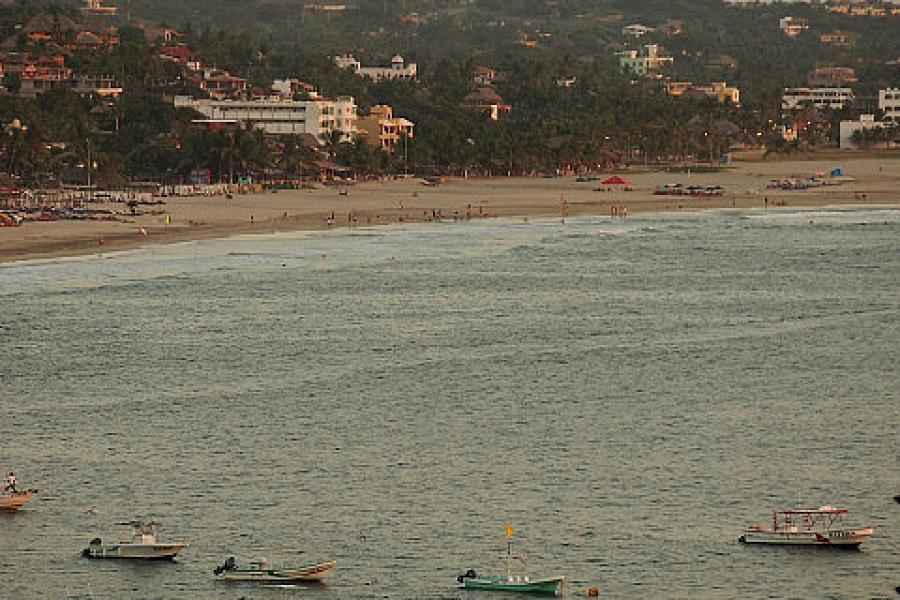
<point>876,181</point>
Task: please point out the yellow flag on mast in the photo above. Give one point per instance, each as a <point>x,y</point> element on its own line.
<point>509,531</point>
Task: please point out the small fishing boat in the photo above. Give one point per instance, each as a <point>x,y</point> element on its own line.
<point>511,582</point>
<point>822,526</point>
<point>14,499</point>
<point>262,571</point>
<point>140,545</point>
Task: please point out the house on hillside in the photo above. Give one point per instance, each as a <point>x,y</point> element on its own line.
<point>42,73</point>
<point>220,84</point>
<point>92,33</point>
<point>487,100</point>
<point>102,28</point>
<point>103,86</point>
<point>178,53</point>
<point>718,90</point>
<point>329,7</point>
<point>95,7</point>
<point>484,75</point>
<point>637,30</point>
<point>399,68</point>
<point>793,26</point>
<point>50,28</point>
<point>672,27</point>
<point>831,76</point>
<point>834,38</point>
<point>647,61</point>
<point>721,61</point>
<point>292,87</point>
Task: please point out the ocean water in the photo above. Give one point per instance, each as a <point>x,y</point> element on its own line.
<point>628,395</point>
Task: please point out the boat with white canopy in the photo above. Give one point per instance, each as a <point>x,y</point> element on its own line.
<point>823,526</point>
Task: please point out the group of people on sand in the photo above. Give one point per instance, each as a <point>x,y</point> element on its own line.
<point>617,210</point>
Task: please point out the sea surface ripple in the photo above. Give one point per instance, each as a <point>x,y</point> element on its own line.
<point>627,394</point>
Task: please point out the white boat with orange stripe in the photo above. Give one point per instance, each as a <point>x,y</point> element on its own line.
<point>823,526</point>
<point>14,500</point>
<point>262,571</point>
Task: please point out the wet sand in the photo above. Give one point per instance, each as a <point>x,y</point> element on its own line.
<point>876,181</point>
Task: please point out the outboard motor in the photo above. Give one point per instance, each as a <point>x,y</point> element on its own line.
<point>87,551</point>
<point>470,574</point>
<point>228,565</point>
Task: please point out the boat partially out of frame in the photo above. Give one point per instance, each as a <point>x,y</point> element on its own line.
<point>14,500</point>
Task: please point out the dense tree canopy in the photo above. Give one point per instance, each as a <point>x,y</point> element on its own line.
<point>606,117</point>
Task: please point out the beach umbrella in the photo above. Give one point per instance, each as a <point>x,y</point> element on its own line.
<point>615,180</point>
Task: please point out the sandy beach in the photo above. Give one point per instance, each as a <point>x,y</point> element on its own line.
<point>374,203</point>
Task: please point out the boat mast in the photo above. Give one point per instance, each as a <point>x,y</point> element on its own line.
<point>509,533</point>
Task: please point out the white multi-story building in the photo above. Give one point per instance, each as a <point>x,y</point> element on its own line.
<point>399,69</point>
<point>645,61</point>
<point>848,128</point>
<point>825,97</point>
<point>889,104</point>
<point>316,116</point>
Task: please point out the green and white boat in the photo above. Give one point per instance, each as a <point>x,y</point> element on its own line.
<point>512,582</point>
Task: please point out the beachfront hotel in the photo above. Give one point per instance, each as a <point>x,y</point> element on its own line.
<point>317,115</point>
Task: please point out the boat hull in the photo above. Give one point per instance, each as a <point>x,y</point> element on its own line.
<point>548,586</point>
<point>133,551</point>
<point>16,500</point>
<point>840,538</point>
<point>309,574</point>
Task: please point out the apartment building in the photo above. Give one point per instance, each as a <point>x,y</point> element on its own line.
<point>382,128</point>
<point>889,104</point>
<point>317,116</point>
<point>834,98</point>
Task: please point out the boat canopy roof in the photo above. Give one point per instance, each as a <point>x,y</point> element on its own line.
<point>279,549</point>
<point>822,510</point>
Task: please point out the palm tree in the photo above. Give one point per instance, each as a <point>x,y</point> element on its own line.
<point>332,139</point>
<point>295,158</point>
